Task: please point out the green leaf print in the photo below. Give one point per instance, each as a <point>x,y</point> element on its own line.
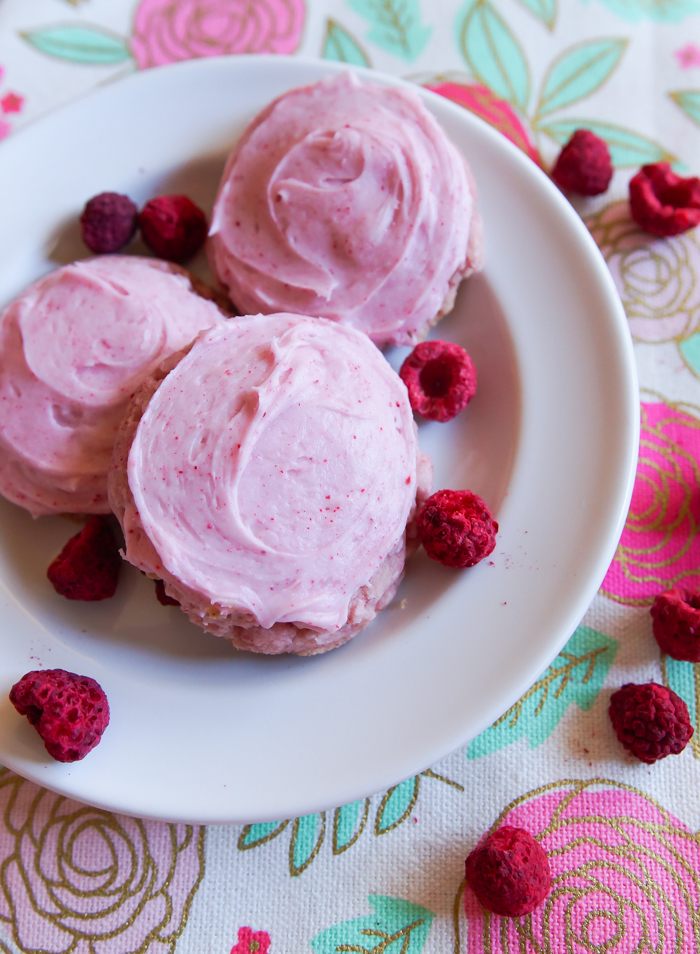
<point>348,824</point>
<point>579,71</point>
<point>494,55</point>
<point>396,25</point>
<point>253,836</point>
<point>342,46</point>
<point>87,45</point>
<point>544,10</point>
<point>689,102</point>
<point>661,11</point>
<point>395,927</point>
<point>308,833</point>
<point>396,805</point>
<point>627,148</point>
<point>684,679</point>
<point>576,676</point>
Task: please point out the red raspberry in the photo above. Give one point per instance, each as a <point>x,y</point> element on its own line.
<point>88,566</point>
<point>650,720</point>
<point>173,227</point>
<point>584,164</point>
<point>662,202</point>
<point>509,872</point>
<point>163,597</point>
<point>108,221</point>
<point>676,615</point>
<point>441,379</point>
<point>456,528</point>
<point>69,712</point>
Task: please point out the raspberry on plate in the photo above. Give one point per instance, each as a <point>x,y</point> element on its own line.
<point>509,872</point>
<point>650,720</point>
<point>440,378</point>
<point>456,528</point>
<point>662,202</point>
<point>173,227</point>
<point>584,164</point>
<point>676,615</point>
<point>163,597</point>
<point>108,221</point>
<point>70,712</point>
<point>88,566</point>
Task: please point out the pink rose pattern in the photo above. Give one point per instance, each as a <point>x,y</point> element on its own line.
<point>80,880</point>
<point>660,544</point>
<point>166,31</point>
<point>625,877</point>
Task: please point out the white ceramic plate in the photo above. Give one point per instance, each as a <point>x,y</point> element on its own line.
<point>202,733</point>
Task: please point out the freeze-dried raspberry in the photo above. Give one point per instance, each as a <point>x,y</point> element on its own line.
<point>650,720</point>
<point>163,597</point>
<point>662,202</point>
<point>108,221</point>
<point>173,227</point>
<point>70,712</point>
<point>509,872</point>
<point>584,164</point>
<point>441,379</point>
<point>456,528</point>
<point>88,566</point>
<point>676,615</point>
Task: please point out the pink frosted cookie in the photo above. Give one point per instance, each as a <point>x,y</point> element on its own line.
<point>346,200</point>
<point>73,349</point>
<point>268,475</point>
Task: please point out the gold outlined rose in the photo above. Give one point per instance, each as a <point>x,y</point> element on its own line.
<point>80,880</point>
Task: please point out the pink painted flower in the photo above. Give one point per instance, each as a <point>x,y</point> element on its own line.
<point>658,279</point>
<point>166,31</point>
<point>660,544</point>
<point>497,112</point>
<point>688,56</point>
<point>625,876</point>
<point>11,103</point>
<point>78,879</point>
<point>251,942</point>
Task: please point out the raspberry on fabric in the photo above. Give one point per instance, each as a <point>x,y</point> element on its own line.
<point>70,712</point>
<point>440,378</point>
<point>173,227</point>
<point>662,202</point>
<point>676,616</point>
<point>584,164</point>
<point>509,872</point>
<point>456,528</point>
<point>650,720</point>
<point>108,221</point>
<point>88,566</point>
<point>163,597</point>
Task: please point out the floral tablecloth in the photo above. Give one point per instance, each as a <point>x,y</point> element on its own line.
<point>385,874</point>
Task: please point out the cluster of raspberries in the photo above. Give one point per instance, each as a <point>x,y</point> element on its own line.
<point>172,226</point>
<point>661,202</point>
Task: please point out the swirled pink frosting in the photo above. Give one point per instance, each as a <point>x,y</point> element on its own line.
<point>73,349</point>
<point>274,469</point>
<point>345,200</point>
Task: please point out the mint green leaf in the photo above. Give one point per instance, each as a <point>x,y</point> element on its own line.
<point>690,352</point>
<point>395,927</point>
<point>579,71</point>
<point>253,836</point>
<point>544,10</point>
<point>494,55</point>
<point>396,25</point>
<point>684,679</point>
<point>627,148</point>
<point>348,824</point>
<point>307,837</point>
<point>89,45</point>
<point>576,676</point>
<point>689,102</point>
<point>341,45</point>
<point>396,805</point>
